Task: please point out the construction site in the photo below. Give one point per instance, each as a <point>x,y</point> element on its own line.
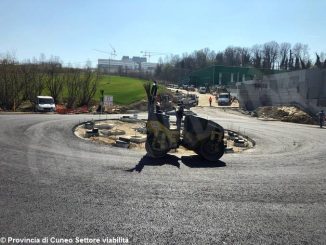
<point>182,152</point>
<point>130,131</point>
<point>162,122</point>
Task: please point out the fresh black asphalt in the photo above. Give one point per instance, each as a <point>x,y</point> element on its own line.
<point>53,184</point>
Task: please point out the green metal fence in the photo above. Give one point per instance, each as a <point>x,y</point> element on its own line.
<point>226,75</point>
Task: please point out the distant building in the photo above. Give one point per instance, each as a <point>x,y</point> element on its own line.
<point>125,65</point>
<point>116,66</point>
<point>148,67</point>
<point>139,59</point>
<point>125,58</point>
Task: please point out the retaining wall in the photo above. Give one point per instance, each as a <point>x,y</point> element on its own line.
<point>304,88</point>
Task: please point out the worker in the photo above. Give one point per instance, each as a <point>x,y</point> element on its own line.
<point>152,98</point>
<point>210,101</point>
<point>158,107</point>
<point>154,89</point>
<point>179,115</point>
<point>321,116</point>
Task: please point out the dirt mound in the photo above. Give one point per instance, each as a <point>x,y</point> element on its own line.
<point>285,114</point>
<point>139,106</point>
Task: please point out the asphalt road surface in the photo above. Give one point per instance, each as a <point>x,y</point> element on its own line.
<point>53,184</point>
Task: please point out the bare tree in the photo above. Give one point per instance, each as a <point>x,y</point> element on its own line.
<point>284,55</point>
<point>230,56</point>
<point>10,84</point>
<point>54,80</point>
<point>211,57</point>
<point>270,54</point>
<point>32,80</point>
<point>245,57</point>
<point>297,64</point>
<point>318,62</point>
<point>219,58</point>
<point>88,85</point>
<point>201,58</point>
<point>301,52</point>
<point>256,51</point>
<point>72,79</point>
<point>305,53</point>
<point>26,78</point>
<point>174,59</point>
<point>322,56</point>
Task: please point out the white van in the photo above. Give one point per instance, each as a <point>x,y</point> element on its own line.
<point>224,99</point>
<point>202,90</point>
<point>44,104</point>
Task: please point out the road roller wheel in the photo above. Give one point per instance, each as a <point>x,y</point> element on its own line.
<point>211,150</point>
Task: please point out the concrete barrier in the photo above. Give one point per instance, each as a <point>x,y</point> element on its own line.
<point>305,88</point>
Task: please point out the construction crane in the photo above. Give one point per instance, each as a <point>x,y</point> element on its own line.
<point>152,53</point>
<point>112,53</point>
<point>113,49</point>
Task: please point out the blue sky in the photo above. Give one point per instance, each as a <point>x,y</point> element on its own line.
<point>72,29</point>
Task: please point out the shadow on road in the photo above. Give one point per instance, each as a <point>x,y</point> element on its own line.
<point>148,161</point>
<point>196,161</point>
<point>190,161</point>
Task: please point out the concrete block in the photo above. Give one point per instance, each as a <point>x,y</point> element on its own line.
<point>129,119</point>
<point>240,143</point>
<point>125,138</point>
<point>122,144</point>
<point>142,130</point>
<point>104,126</point>
<point>138,139</point>
<point>89,125</point>
<point>91,133</point>
<point>228,150</point>
<point>112,132</point>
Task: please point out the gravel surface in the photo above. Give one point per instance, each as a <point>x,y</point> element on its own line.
<point>53,184</point>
